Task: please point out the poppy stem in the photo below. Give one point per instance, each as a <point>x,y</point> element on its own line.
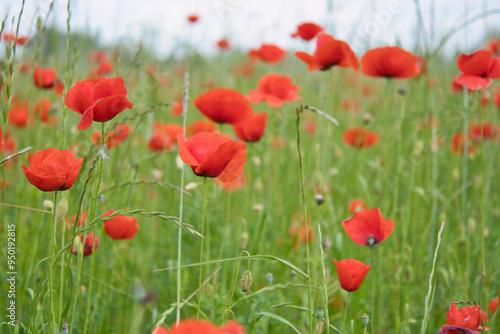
<point>465,162</point>
<point>92,266</point>
<point>52,319</point>
<point>309,287</point>
<point>201,248</point>
<point>236,274</point>
<point>345,313</point>
<point>372,322</point>
<point>483,216</point>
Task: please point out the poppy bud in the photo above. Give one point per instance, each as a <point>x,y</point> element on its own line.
<point>320,313</point>
<point>62,208</point>
<point>48,205</point>
<point>365,318</point>
<point>246,280</point>
<point>244,240</point>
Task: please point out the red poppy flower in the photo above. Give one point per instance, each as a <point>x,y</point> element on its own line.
<point>114,137</point>
<point>307,31</point>
<point>11,37</point>
<point>44,77</point>
<point>213,155</point>
<point>487,131</point>
<point>389,62</point>
<point>98,100</point>
<point>97,56</point>
<point>368,227</point>
<point>268,53</point>
<point>351,273</point>
<point>89,243</point>
<point>493,45</point>
<point>493,305</point>
<point>81,221</point>
<point>275,89</point>
<point>200,125</point>
<point>252,128</point>
<point>458,144</point>
<point>18,115</point>
<point>223,105</point>
<point>193,18</point>
<point>42,108</point>
<point>2,143</point>
<point>466,317</point>
<point>159,142</point>
<point>310,127</point>
<point>359,137</point>
<point>223,44</point>
<point>329,52</point>
<point>176,109</point>
<point>356,205</point>
<point>191,326</point>
<point>478,69</point>
<point>120,227</point>
<point>52,170</point>
<point>172,130</point>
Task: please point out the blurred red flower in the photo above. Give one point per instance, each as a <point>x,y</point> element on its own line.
<point>252,128</point>
<point>193,18</point>
<point>223,105</point>
<point>98,100</point>
<point>368,227</point>
<point>52,169</point>
<point>307,31</point>
<point>458,144</point>
<point>2,142</point>
<point>18,115</point>
<point>275,89</point>
<point>493,305</point>
<point>329,52</point>
<point>89,243</point>
<point>389,62</point>
<point>351,273</point>
<point>81,220</point>
<point>223,44</point>
<point>44,77</point>
<point>120,227</point>
<point>478,69</point>
<point>114,137</point>
<point>200,125</point>
<point>268,53</point>
<point>236,184</point>
<point>493,45</point>
<point>359,137</point>
<point>356,205</point>
<point>11,37</point>
<point>191,326</point>
<point>42,108</point>
<point>487,131</point>
<point>213,155</point>
<point>176,108</point>
<point>159,142</point>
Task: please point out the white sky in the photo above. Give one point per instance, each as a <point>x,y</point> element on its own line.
<point>162,24</point>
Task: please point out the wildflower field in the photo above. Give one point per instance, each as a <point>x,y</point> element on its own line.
<point>316,190</point>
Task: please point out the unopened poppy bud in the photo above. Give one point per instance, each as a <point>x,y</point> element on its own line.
<point>319,199</point>
<point>320,313</point>
<point>246,280</point>
<point>365,318</point>
<point>48,205</point>
<point>62,208</point>
<point>244,240</point>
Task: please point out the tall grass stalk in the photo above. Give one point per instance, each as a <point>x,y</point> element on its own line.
<point>325,290</point>
<point>301,170</point>
<point>51,317</point>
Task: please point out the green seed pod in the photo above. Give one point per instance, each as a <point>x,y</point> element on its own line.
<point>320,313</point>
<point>48,205</point>
<point>62,208</point>
<point>246,281</point>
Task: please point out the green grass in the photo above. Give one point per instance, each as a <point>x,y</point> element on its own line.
<point>412,184</point>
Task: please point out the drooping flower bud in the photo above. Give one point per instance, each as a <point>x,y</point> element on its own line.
<point>62,208</point>
<point>246,280</point>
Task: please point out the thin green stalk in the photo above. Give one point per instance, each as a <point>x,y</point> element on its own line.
<point>325,290</point>
<point>483,185</point>
<point>201,248</point>
<point>236,274</point>
<point>465,164</point>
<point>181,199</point>
<point>92,267</point>
<point>51,318</point>
<point>309,290</point>
<point>345,313</point>
<point>372,322</point>
<point>66,75</point>
<point>61,283</point>
<point>395,193</point>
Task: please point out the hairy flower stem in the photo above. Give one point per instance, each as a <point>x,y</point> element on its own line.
<point>345,313</point>
<point>483,216</point>
<point>309,283</point>
<point>51,319</point>
<point>465,162</point>
<point>372,316</point>
<point>201,248</point>
<point>92,267</point>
